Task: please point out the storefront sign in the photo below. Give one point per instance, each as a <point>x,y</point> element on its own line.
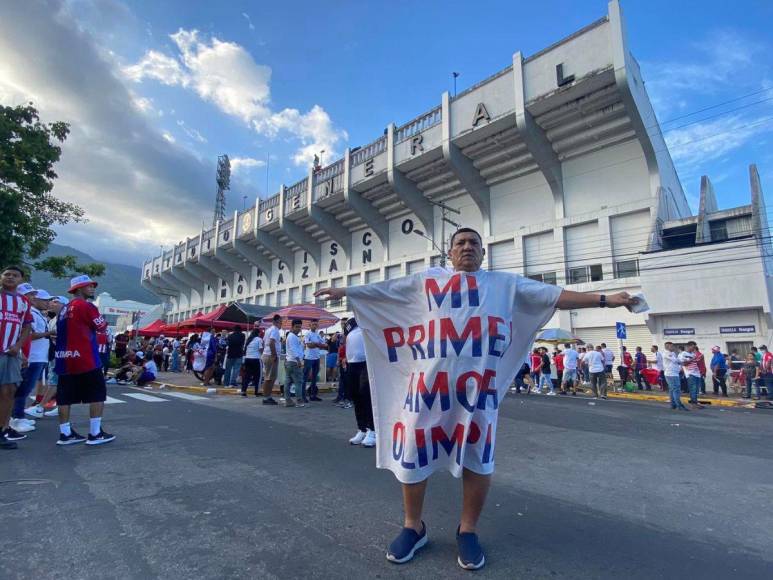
<point>737,329</point>
<point>678,331</point>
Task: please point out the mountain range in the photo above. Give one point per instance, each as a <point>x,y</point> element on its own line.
<point>121,281</point>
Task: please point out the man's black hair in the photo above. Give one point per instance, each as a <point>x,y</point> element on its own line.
<point>297,321</point>
<point>276,318</point>
<point>465,231</point>
<point>17,269</point>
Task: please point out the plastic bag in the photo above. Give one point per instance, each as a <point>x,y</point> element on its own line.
<point>199,361</point>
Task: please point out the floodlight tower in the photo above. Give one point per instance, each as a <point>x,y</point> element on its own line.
<point>223,180</point>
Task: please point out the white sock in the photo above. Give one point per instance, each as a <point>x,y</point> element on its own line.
<point>64,429</point>
<point>95,426</point>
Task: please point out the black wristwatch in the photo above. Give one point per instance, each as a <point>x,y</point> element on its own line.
<point>603,301</point>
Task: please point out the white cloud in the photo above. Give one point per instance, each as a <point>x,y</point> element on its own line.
<point>712,140</point>
<point>240,164</point>
<point>718,62</point>
<point>192,133</point>
<point>156,65</point>
<point>168,136</point>
<point>249,20</point>
<point>115,163</point>
<point>225,74</point>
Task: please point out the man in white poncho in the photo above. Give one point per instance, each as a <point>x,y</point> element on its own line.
<point>442,348</point>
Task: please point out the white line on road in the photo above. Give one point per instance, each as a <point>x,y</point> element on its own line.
<point>112,401</point>
<point>144,397</point>
<point>185,396</point>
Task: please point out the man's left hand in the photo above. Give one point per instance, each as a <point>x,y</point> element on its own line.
<point>621,299</point>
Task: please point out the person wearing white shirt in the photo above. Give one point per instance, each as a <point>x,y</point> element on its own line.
<point>37,359</point>
<point>252,351</point>
<point>671,368</point>
<point>271,348</point>
<point>569,380</point>
<point>358,386</point>
<point>596,367</point>
<point>608,357</point>
<point>659,366</point>
<point>313,342</point>
<point>293,365</point>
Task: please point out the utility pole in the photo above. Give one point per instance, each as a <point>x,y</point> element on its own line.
<point>444,209</point>
<point>455,75</point>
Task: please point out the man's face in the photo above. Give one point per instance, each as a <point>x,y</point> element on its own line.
<point>256,326</point>
<point>40,304</point>
<point>690,348</point>
<point>313,326</point>
<point>86,292</point>
<point>296,328</point>
<point>278,322</point>
<point>466,252</point>
<point>11,279</point>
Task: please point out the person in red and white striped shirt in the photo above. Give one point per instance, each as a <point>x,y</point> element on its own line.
<point>15,328</point>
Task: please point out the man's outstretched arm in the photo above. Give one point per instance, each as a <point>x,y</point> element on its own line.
<point>570,299</point>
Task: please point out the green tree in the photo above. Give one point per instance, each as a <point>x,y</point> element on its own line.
<point>28,209</point>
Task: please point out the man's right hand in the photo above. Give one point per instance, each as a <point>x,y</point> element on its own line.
<point>330,293</point>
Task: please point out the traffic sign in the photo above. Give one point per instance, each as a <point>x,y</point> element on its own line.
<point>622,332</point>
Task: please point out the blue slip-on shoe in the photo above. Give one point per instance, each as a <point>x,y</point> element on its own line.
<point>405,545</point>
<point>470,553</point>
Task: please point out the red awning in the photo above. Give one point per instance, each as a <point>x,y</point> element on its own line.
<point>155,328</point>
<point>202,321</point>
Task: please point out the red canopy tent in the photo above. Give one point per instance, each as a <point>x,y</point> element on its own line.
<point>305,312</point>
<point>202,321</point>
<point>155,328</point>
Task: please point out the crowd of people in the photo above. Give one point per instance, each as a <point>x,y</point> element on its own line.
<point>53,348</point>
<point>681,368</point>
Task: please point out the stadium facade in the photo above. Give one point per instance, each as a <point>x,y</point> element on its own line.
<point>561,164</point>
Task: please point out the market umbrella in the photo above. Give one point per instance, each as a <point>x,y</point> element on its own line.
<point>557,336</point>
<point>305,312</point>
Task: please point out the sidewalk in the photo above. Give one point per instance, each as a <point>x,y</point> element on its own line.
<point>189,383</point>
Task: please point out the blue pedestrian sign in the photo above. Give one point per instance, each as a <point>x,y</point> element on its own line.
<point>622,333</point>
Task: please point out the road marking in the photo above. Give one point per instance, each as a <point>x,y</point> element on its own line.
<point>112,401</point>
<point>144,397</point>
<point>185,396</point>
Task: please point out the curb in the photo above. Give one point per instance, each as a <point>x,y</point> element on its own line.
<point>199,390</point>
<point>326,388</point>
<point>665,399</point>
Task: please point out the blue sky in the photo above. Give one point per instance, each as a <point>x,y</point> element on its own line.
<point>156,90</point>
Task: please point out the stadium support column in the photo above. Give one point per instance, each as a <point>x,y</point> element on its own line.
<point>296,233</point>
<point>338,232</point>
<point>236,264</point>
<point>275,247</point>
<point>707,205</point>
<point>406,190</point>
<point>193,275</point>
<point>464,170</point>
<point>182,288</point>
<point>362,207</point>
<point>536,141</point>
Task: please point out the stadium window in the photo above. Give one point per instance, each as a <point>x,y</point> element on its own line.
<point>582,274</point>
<point>718,230</point>
<point>626,268</point>
<point>545,277</point>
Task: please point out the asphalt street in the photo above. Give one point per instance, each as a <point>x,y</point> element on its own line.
<point>223,487</point>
